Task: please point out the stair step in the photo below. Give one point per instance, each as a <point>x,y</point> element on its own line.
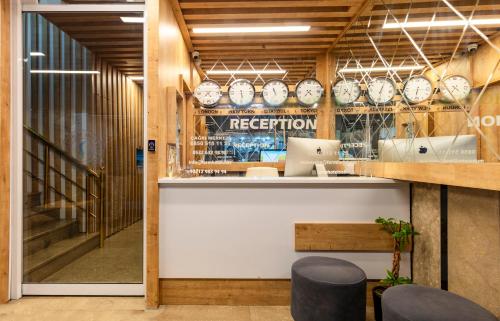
<point>33,199</point>
<point>41,215</point>
<point>49,260</point>
<point>44,235</point>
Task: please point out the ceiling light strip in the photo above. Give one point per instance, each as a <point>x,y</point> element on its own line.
<point>253,29</point>
<point>440,23</point>
<point>132,19</point>
<point>65,72</point>
<point>247,72</point>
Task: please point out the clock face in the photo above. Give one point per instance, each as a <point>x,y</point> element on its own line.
<point>346,91</point>
<point>275,93</point>
<point>309,92</point>
<point>457,88</point>
<point>381,90</point>
<point>208,93</point>
<point>241,92</point>
<point>417,89</point>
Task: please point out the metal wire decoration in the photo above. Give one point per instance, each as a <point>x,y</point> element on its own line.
<point>402,119</point>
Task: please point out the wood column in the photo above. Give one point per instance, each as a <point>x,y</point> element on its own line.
<point>4,148</point>
<point>325,73</point>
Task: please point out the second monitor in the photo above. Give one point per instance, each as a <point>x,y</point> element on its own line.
<point>304,154</point>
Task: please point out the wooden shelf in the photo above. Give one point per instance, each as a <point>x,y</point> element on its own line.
<point>483,176</point>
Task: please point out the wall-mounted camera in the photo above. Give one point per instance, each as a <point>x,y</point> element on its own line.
<point>471,48</point>
<point>196,57</point>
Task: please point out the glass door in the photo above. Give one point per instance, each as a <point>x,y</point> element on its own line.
<point>82,150</point>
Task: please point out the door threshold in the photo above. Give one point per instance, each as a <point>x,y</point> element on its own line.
<point>83,289</point>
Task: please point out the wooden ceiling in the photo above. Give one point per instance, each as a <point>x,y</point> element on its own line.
<point>337,26</point>
<point>105,35</point>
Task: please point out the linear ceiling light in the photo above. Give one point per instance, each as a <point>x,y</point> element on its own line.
<point>247,72</point>
<point>440,23</point>
<point>252,29</point>
<point>132,19</point>
<point>375,69</point>
<point>37,54</point>
<point>136,78</point>
<point>65,72</point>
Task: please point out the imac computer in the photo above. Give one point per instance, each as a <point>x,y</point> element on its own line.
<point>306,154</point>
<point>462,148</point>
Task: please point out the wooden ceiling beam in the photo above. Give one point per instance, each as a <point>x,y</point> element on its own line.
<point>176,8</point>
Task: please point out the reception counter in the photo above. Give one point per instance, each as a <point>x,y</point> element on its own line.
<point>244,228</point>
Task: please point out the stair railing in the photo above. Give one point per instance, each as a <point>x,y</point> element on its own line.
<point>93,189</point>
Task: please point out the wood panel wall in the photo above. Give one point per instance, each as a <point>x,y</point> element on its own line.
<point>116,123</point>
<point>98,119</point>
<point>5,112</point>
<point>168,58</point>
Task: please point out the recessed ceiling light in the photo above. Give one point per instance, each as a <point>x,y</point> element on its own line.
<point>136,78</point>
<point>252,29</point>
<point>37,54</point>
<point>247,72</point>
<point>132,19</point>
<point>65,72</point>
<point>440,23</point>
<point>375,69</point>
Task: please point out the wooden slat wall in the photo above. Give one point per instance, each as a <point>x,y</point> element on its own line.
<point>117,121</point>
<point>5,112</point>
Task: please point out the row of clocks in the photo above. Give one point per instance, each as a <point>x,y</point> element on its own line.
<point>380,91</point>
<point>274,92</point>
<point>416,89</point>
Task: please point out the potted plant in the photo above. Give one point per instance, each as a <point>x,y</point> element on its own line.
<point>402,233</point>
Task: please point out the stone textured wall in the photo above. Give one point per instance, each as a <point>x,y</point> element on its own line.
<point>473,242</point>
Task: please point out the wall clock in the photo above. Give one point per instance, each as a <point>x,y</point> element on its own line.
<point>275,92</point>
<point>241,92</point>
<point>208,93</point>
<point>417,89</point>
<point>381,91</point>
<point>346,91</point>
<point>309,92</point>
<point>458,88</point>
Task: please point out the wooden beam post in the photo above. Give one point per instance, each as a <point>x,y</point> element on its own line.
<point>5,110</point>
<point>325,73</point>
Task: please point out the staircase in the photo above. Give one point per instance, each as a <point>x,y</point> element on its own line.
<point>53,239</point>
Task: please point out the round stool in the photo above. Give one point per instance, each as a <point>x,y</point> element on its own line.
<point>418,303</point>
<point>327,289</point>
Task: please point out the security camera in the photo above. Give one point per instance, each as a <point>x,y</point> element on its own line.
<point>195,55</point>
<point>472,47</point>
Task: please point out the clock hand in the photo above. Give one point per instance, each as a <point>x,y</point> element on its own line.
<point>274,91</point>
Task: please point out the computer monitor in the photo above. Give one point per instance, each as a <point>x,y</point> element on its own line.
<point>304,153</point>
<point>272,155</point>
<point>462,148</point>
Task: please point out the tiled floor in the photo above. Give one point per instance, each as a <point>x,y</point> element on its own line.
<point>119,261</point>
<point>127,309</point>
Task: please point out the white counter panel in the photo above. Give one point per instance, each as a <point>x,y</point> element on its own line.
<point>247,230</point>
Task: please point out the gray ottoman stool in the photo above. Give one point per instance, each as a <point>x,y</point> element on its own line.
<point>418,303</point>
<point>327,289</point>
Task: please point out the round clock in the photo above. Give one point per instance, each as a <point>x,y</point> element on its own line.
<point>241,92</point>
<point>380,91</point>
<point>457,88</point>
<point>417,89</point>
<point>275,92</point>
<point>208,93</point>
<point>346,91</point>
<point>309,92</point>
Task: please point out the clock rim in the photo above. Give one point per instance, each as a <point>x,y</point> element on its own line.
<point>419,101</point>
<point>303,80</point>
<point>287,89</point>
<point>220,93</point>
<point>370,101</point>
<point>229,90</point>
<point>345,78</point>
<point>442,97</point>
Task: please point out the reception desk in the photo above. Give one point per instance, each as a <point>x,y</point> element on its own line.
<point>245,228</point>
